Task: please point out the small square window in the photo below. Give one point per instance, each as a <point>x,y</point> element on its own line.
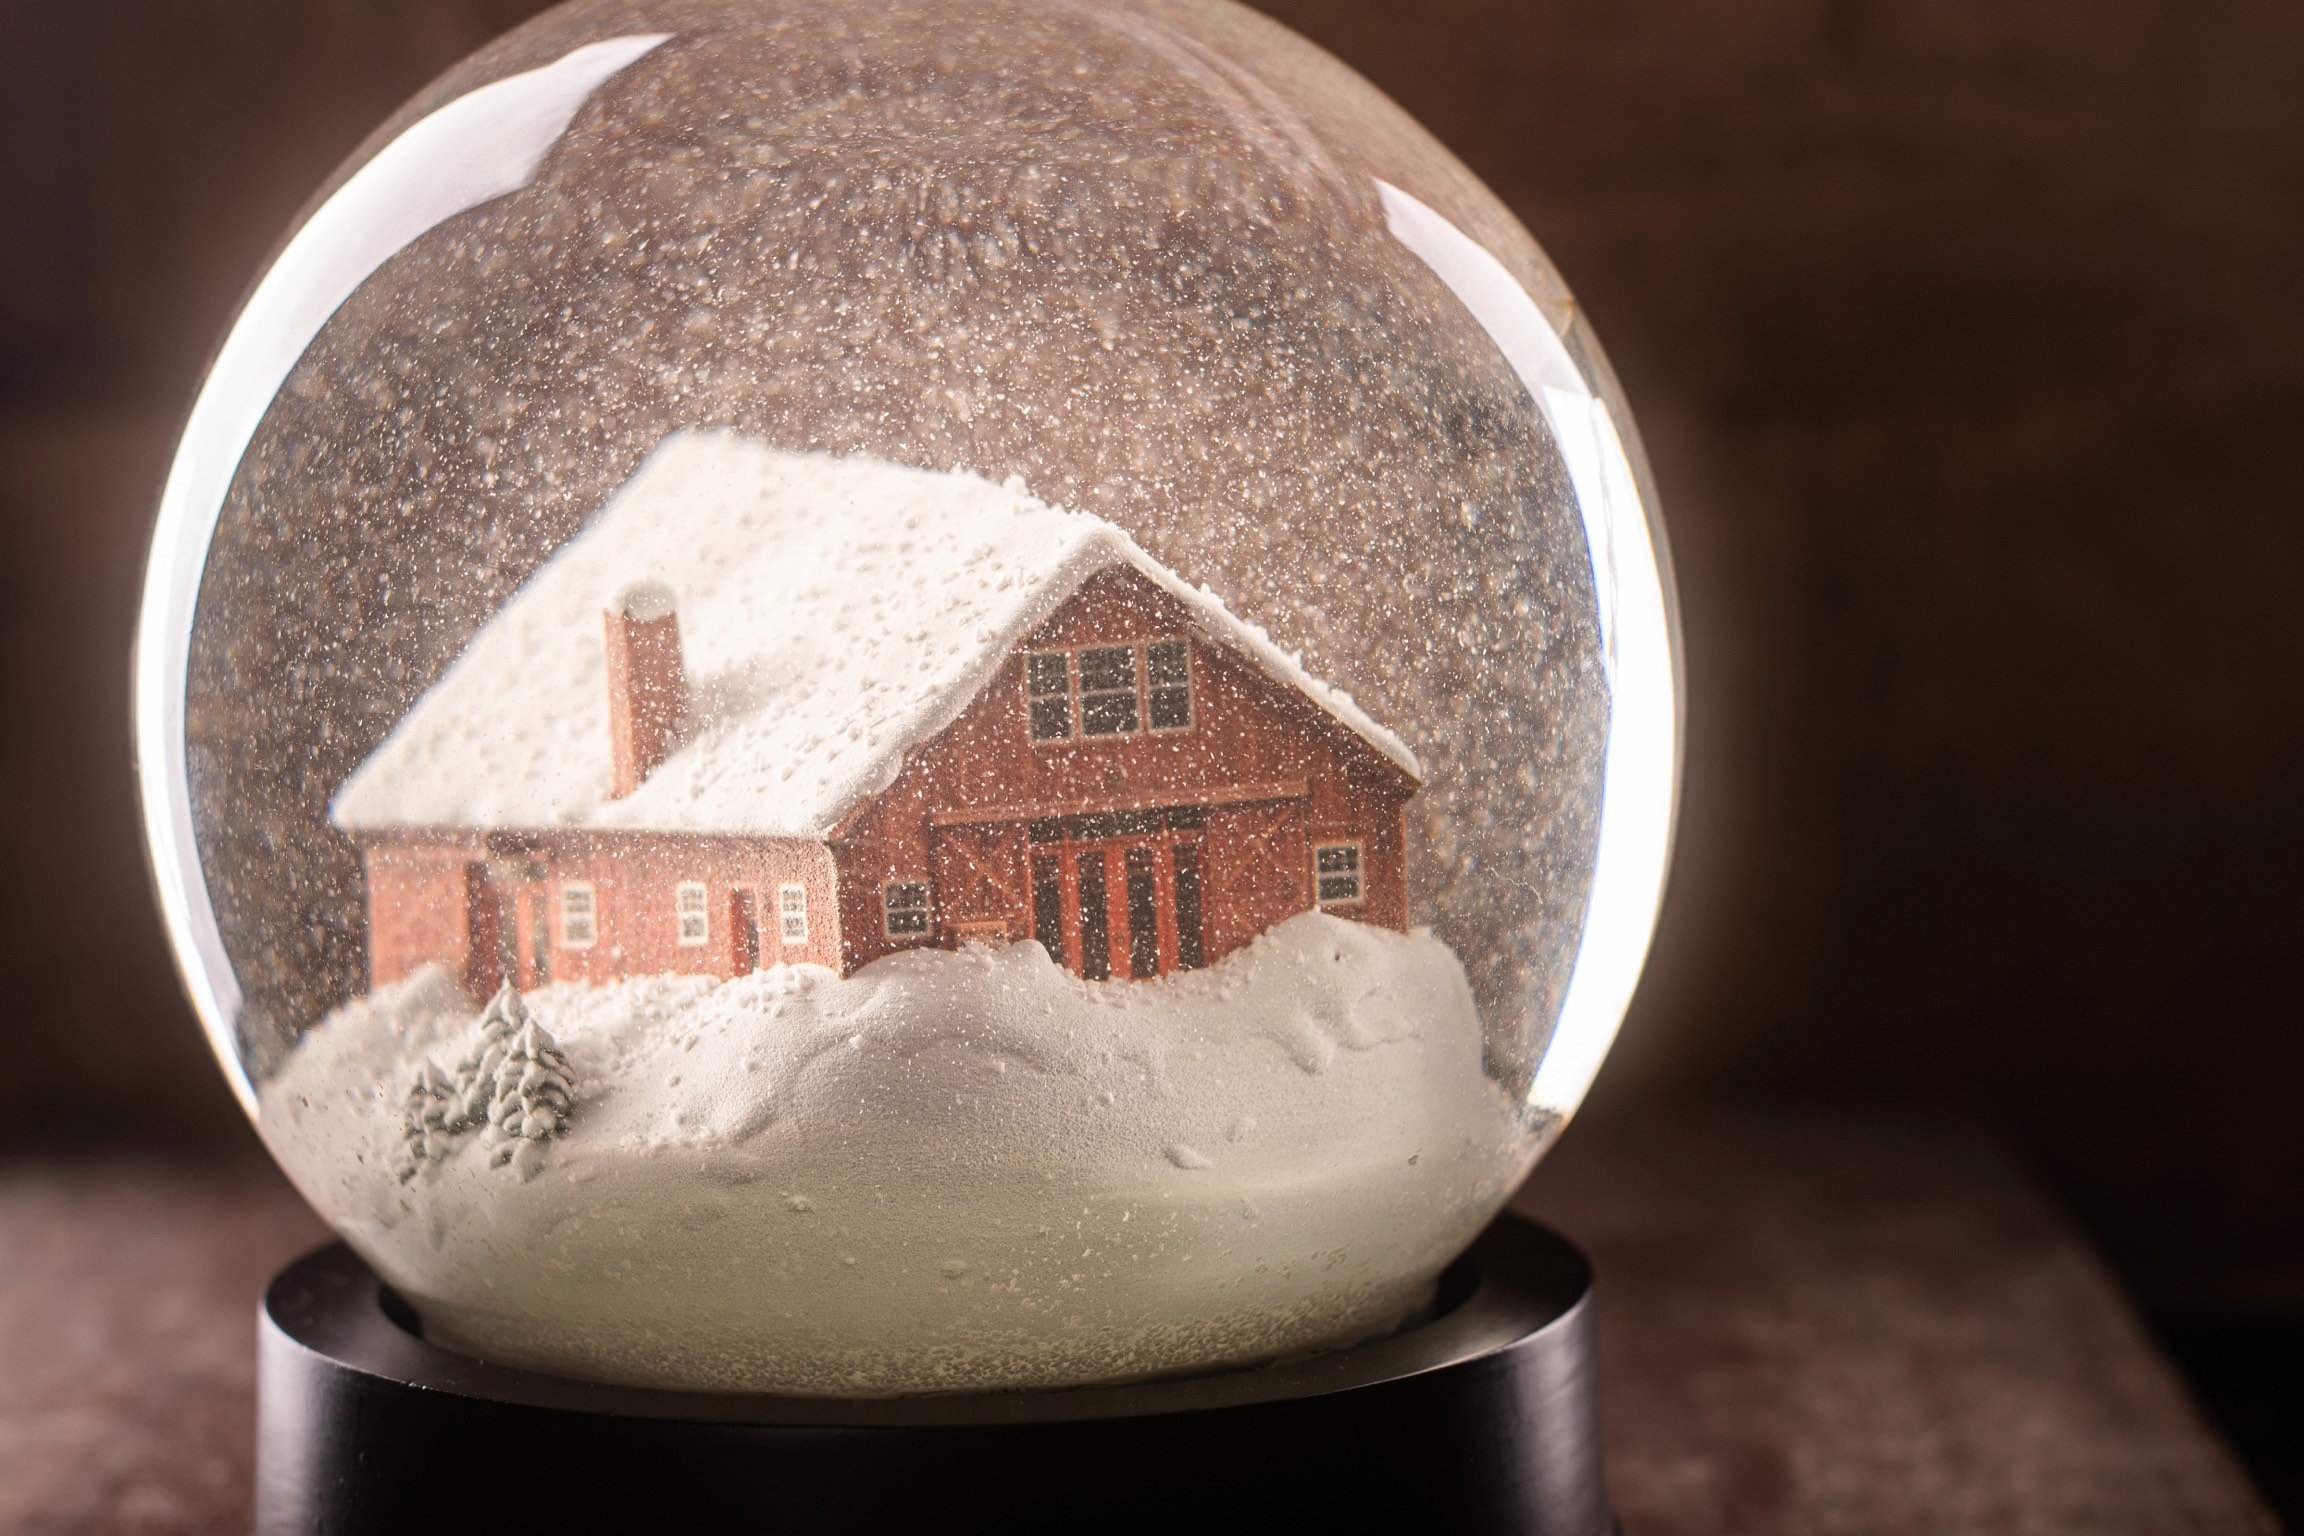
<point>1107,714</point>
<point>1108,668</point>
<point>792,913</point>
<point>1052,719</point>
<point>579,916</point>
<point>1336,869</point>
<point>906,903</point>
<point>1048,686</point>
<point>690,905</point>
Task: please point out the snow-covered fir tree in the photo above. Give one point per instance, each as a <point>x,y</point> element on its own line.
<point>513,1085</point>
<point>503,1018</point>
<point>428,1132</point>
<point>532,1099</point>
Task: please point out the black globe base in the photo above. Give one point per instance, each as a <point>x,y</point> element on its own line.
<point>1482,1419</point>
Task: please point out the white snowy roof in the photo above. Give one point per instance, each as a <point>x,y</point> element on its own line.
<point>835,613</point>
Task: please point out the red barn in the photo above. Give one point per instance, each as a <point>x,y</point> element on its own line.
<point>774,706</point>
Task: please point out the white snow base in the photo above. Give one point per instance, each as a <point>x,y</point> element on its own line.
<point>949,1172</point>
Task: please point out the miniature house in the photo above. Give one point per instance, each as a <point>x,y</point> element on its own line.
<point>773,707</point>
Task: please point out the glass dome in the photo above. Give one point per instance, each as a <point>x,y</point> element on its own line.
<point>907,695</point>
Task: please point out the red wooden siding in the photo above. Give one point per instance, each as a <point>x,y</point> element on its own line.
<point>1268,771</point>
<point>1129,855</point>
<point>420,907</point>
<point>449,901</point>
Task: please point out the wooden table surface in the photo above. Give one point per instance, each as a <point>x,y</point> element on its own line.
<point>1806,1327</point>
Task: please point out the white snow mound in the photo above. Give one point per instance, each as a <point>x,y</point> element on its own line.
<point>948,1172</point>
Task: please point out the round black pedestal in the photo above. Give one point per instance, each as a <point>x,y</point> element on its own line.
<point>1482,1419</point>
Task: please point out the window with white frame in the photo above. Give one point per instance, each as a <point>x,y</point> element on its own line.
<point>1048,690</point>
<point>792,912</point>
<point>691,906</point>
<point>1168,686</point>
<point>906,903</point>
<point>1108,690</point>
<point>579,915</point>
<point>1336,868</point>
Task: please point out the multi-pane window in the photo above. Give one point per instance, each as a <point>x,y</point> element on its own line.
<point>579,916</point>
<point>1108,690</point>
<point>906,904</point>
<point>1048,682</point>
<point>792,913</point>
<point>688,906</point>
<point>1336,868</point>
<point>1167,685</point>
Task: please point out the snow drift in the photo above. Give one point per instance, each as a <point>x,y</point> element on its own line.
<point>947,1172</point>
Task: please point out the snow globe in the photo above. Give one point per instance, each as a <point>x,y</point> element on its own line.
<point>886,701</point>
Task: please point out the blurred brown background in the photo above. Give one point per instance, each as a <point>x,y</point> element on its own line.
<point>1968,337</point>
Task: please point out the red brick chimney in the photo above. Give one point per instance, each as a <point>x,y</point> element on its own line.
<point>647,691</point>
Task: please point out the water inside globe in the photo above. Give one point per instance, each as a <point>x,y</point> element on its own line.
<point>908,697</point>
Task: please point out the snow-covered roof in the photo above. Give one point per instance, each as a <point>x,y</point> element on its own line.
<point>835,613</point>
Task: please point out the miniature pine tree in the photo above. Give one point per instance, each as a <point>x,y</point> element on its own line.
<point>427,1134</point>
<point>477,1073</point>
<point>532,1099</point>
<point>513,1085</point>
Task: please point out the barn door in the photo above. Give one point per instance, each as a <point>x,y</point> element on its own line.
<point>1048,904</point>
<point>1095,914</point>
<point>1184,898</point>
<point>1254,871</point>
<point>1143,914</point>
<point>980,882</point>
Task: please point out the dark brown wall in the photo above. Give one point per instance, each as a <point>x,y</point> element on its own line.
<point>1968,340</point>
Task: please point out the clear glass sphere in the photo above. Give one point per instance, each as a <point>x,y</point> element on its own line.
<point>897,695</point>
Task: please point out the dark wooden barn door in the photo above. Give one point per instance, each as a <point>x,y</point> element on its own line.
<point>1143,913</point>
<point>980,882</point>
<point>1095,910</point>
<point>1188,907</point>
<point>1257,873</point>
<point>1131,906</point>
<point>1048,905</point>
